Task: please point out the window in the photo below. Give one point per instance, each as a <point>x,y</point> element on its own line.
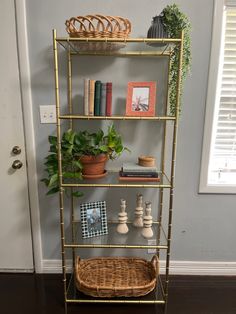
<point>218,169</point>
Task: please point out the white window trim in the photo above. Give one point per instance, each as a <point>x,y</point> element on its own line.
<point>212,95</point>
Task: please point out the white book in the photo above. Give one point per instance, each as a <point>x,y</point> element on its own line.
<point>135,167</point>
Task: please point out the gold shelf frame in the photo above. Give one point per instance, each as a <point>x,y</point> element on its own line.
<point>117,301</point>
<point>68,44</point>
<point>160,118</point>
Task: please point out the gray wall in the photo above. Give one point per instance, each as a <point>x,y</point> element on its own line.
<point>203,228</point>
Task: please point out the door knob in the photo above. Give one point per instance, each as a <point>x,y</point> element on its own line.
<point>17,164</point>
<point>16,150</point>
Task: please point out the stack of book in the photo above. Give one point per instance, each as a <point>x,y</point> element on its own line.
<point>135,172</point>
<point>97,98</point>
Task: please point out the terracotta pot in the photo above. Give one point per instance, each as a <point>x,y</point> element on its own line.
<point>93,165</point>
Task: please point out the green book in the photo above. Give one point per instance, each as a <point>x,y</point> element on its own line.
<point>97,98</point>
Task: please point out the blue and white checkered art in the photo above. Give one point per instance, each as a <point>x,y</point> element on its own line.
<point>93,219</point>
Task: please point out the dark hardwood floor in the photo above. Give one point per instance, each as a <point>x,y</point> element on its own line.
<point>42,294</point>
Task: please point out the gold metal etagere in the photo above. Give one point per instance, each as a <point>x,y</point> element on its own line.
<point>160,295</point>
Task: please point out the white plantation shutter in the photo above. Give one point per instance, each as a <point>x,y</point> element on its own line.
<point>222,166</point>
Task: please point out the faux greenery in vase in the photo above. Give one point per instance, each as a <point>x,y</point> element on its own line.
<point>174,21</point>
<point>74,147</point>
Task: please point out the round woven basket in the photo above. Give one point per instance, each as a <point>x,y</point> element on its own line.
<point>98,26</point>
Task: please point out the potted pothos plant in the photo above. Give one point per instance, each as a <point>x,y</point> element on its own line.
<point>94,149</point>
<point>83,155</point>
<point>174,21</point>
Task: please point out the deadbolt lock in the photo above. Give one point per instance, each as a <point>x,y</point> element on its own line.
<point>16,150</point>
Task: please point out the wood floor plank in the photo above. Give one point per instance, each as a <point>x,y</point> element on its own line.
<point>43,294</point>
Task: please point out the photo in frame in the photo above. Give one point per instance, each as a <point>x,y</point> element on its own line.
<point>141,99</point>
<point>93,219</point>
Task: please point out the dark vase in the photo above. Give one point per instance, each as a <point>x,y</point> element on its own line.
<point>156,30</point>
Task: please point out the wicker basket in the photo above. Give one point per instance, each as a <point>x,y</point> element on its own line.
<point>98,26</point>
<point>108,277</point>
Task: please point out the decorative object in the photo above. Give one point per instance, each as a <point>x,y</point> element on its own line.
<point>174,21</point>
<point>122,227</point>
<point>147,222</point>
<point>107,277</point>
<point>147,161</point>
<point>141,99</point>
<point>98,26</point>
<point>93,219</point>
<point>156,30</point>
<point>138,221</point>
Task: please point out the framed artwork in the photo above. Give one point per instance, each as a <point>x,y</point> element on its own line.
<point>141,99</point>
<point>93,219</point>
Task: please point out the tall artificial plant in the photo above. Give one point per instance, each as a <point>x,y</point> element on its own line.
<point>174,21</point>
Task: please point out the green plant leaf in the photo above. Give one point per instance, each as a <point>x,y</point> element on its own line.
<point>99,136</point>
<point>77,194</point>
<point>103,148</point>
<point>69,136</point>
<point>53,149</point>
<point>52,140</point>
<point>45,180</point>
<point>53,191</point>
<point>53,179</point>
<point>76,164</point>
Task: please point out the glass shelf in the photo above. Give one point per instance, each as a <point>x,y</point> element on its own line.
<point>75,296</point>
<point>116,117</point>
<point>112,180</point>
<point>133,239</point>
<point>114,46</point>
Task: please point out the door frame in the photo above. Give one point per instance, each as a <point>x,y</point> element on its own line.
<point>27,111</point>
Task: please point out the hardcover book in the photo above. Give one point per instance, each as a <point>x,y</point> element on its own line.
<point>91,97</point>
<point>97,98</point>
<point>86,96</point>
<point>144,179</point>
<point>109,99</point>
<point>139,174</point>
<point>103,99</point>
<point>134,167</point>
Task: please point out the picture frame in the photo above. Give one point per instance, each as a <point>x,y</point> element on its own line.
<point>93,219</point>
<point>141,99</point>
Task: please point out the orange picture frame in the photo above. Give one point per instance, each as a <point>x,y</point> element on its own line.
<point>141,99</point>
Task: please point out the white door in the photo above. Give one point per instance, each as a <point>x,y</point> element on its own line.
<point>15,227</point>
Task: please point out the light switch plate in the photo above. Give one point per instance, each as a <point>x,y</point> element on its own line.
<point>47,114</point>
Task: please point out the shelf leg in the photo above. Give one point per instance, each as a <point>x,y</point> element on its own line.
<point>61,191</point>
<point>163,158</point>
<point>69,85</point>
<point>173,165</point>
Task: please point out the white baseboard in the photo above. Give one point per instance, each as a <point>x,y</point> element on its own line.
<point>176,268</point>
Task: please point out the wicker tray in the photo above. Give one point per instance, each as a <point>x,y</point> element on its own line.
<point>108,277</point>
<point>98,26</point>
